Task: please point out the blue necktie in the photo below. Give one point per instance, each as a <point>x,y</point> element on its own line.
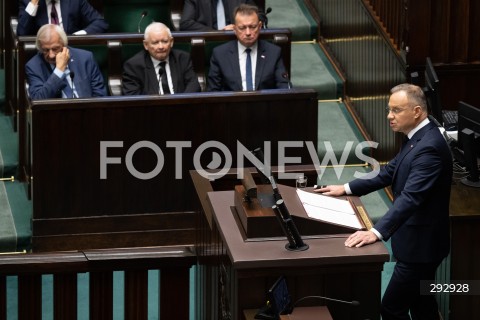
<point>248,71</point>
<point>67,90</point>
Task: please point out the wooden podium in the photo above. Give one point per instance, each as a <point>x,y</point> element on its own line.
<point>302,313</point>
<point>235,271</point>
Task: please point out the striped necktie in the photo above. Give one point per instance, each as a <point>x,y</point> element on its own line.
<point>53,13</point>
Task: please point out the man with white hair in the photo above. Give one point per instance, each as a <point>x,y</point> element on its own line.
<point>59,71</point>
<point>159,69</point>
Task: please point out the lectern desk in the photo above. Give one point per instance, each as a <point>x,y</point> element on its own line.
<point>236,272</point>
<point>300,313</point>
<point>463,263</point>
<point>308,313</point>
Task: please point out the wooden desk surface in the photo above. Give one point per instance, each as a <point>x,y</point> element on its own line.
<point>267,253</point>
<point>464,201</point>
<point>308,313</point>
<point>299,313</point>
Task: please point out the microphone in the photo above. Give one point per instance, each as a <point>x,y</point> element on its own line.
<point>286,77</point>
<point>144,14</point>
<point>295,242</point>
<point>353,303</point>
<point>263,17</point>
<point>72,76</point>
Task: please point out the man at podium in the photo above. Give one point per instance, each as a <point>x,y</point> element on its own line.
<point>418,222</point>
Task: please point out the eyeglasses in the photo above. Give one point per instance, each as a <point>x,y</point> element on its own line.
<point>54,50</point>
<point>244,28</point>
<point>395,110</point>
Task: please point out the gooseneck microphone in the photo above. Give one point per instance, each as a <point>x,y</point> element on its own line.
<point>144,14</point>
<point>72,76</point>
<point>354,303</point>
<point>295,242</point>
<point>264,19</point>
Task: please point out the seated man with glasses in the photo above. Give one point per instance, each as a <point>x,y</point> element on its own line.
<point>58,71</point>
<point>247,64</point>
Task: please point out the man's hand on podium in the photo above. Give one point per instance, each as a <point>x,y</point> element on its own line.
<point>333,190</point>
<point>360,238</point>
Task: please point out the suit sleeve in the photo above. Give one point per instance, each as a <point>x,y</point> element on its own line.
<point>189,76</point>
<point>97,81</point>
<point>92,21</point>
<point>26,23</point>
<point>281,75</point>
<point>214,82</point>
<point>39,88</point>
<point>189,20</point>
<point>423,172</point>
<point>131,82</point>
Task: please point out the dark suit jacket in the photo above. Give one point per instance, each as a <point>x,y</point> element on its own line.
<point>224,74</point>
<point>43,84</point>
<point>139,76</point>
<point>201,15</point>
<point>76,15</point>
<point>420,177</point>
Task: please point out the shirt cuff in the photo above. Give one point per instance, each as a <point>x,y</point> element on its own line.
<point>31,9</point>
<point>80,33</point>
<point>347,188</point>
<point>61,74</point>
<point>378,234</point>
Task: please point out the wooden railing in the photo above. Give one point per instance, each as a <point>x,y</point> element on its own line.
<point>392,15</point>
<point>173,293</point>
<point>371,64</point>
<point>444,31</point>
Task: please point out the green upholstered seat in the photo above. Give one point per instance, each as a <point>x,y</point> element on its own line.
<point>124,15</point>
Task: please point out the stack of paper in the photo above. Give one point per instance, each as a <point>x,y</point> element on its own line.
<point>329,209</point>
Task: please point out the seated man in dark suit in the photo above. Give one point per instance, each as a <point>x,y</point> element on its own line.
<point>249,63</point>
<point>159,69</point>
<point>74,16</point>
<point>209,15</point>
<point>58,71</point>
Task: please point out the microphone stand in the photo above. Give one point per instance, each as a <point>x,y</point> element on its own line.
<point>354,303</point>
<point>144,14</point>
<point>72,76</point>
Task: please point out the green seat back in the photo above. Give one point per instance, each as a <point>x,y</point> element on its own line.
<point>124,15</point>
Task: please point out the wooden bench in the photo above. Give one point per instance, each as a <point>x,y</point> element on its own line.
<point>74,207</point>
<point>113,49</point>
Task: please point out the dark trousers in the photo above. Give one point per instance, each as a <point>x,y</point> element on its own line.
<point>402,295</point>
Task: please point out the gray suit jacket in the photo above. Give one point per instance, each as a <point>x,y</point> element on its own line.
<point>139,76</point>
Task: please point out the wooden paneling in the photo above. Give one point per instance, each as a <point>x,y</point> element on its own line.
<point>72,200</point>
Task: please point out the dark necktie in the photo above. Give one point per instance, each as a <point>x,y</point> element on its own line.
<point>248,71</point>
<point>68,89</point>
<point>54,14</point>
<point>163,77</point>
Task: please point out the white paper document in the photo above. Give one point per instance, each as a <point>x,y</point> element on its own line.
<point>329,209</point>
